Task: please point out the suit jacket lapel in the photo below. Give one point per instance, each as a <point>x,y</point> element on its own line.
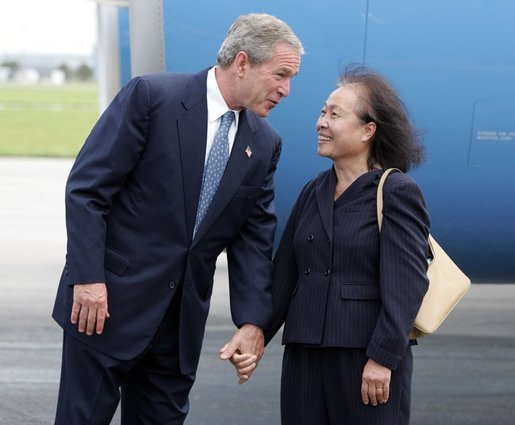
<point>192,128</point>
<point>325,195</point>
<point>237,167</point>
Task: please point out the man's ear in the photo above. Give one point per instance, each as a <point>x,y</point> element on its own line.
<point>242,62</point>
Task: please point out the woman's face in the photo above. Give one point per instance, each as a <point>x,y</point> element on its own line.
<point>342,136</point>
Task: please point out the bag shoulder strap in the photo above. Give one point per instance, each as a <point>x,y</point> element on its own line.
<point>430,240</point>
<point>380,195</point>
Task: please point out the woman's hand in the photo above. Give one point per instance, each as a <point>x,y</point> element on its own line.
<point>245,365</point>
<point>375,383</point>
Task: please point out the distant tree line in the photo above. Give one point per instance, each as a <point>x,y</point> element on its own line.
<point>12,65</point>
<point>82,73</point>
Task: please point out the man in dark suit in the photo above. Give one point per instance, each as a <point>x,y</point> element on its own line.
<point>135,291</point>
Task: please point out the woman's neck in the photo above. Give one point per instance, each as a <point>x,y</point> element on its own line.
<point>347,173</point>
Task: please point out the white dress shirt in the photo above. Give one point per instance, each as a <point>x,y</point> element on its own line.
<point>216,107</point>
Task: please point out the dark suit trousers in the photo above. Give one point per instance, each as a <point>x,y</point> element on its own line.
<point>322,386</point>
<point>153,390</point>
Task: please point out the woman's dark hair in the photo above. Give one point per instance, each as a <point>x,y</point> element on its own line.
<point>397,143</point>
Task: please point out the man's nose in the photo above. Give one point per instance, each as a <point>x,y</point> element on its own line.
<point>284,88</point>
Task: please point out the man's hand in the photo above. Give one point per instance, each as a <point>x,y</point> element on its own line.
<point>90,307</point>
<point>375,383</point>
<point>244,350</point>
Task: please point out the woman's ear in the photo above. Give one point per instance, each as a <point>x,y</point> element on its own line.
<point>369,131</point>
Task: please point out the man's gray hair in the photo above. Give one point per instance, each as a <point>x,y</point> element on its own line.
<point>256,34</point>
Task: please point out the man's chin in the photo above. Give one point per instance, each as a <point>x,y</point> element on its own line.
<point>264,111</point>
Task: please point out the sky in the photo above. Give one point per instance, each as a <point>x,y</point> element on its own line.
<point>47,27</point>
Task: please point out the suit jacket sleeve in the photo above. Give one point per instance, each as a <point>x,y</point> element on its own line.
<point>403,268</point>
<point>109,154</point>
<point>250,257</point>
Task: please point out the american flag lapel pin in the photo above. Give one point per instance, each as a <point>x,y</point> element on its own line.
<point>248,151</point>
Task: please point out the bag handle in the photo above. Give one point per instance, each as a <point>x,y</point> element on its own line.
<point>432,252</point>
<point>380,195</point>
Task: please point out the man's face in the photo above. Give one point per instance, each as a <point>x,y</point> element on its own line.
<point>264,85</point>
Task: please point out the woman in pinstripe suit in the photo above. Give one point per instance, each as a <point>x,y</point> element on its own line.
<point>347,295</point>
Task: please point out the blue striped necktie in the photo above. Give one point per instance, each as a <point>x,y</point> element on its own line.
<point>214,168</point>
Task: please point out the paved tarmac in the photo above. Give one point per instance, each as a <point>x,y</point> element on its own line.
<point>464,374</point>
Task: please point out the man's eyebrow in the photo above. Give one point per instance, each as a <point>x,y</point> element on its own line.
<point>287,70</point>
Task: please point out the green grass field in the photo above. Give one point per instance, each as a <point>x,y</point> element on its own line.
<point>46,120</point>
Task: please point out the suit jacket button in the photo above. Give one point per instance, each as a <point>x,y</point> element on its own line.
<point>307,271</point>
<point>327,272</point>
<point>172,285</point>
<point>311,238</point>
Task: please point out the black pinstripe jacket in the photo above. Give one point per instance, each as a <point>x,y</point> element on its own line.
<point>337,281</point>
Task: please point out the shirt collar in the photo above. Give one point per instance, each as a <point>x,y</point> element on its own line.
<point>216,105</point>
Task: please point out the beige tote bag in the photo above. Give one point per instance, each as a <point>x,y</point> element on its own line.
<point>447,283</point>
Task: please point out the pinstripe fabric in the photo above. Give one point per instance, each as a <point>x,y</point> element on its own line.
<point>328,383</point>
<point>338,284</point>
<point>346,287</point>
<point>350,287</point>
